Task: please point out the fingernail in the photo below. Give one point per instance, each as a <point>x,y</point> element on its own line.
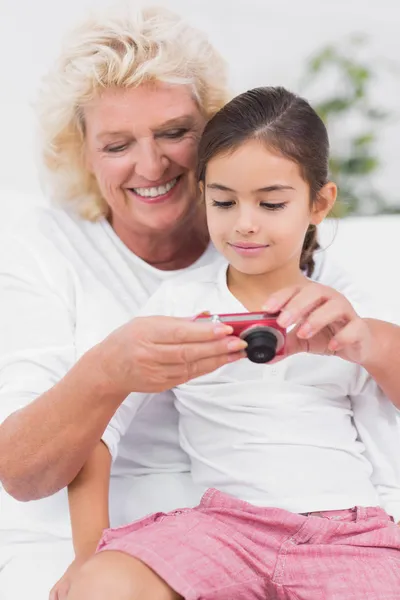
<point>236,345</point>
<point>285,319</point>
<point>223,329</point>
<point>270,306</point>
<point>305,331</point>
<point>333,345</point>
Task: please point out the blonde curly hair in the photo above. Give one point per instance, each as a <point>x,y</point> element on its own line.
<point>117,50</point>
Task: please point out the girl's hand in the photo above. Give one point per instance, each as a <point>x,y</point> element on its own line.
<point>60,590</point>
<point>324,323</point>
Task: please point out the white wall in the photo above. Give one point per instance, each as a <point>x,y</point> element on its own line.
<point>265,42</point>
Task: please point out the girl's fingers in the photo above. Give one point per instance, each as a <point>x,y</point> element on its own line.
<point>350,335</point>
<point>333,313</point>
<point>303,303</point>
<point>277,301</point>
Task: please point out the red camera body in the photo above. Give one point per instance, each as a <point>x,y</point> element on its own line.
<point>265,338</point>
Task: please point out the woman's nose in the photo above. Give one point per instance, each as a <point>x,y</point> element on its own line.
<point>150,163</point>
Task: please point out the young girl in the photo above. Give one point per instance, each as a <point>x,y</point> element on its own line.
<point>300,458</point>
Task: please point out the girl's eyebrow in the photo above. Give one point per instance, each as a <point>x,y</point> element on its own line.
<point>270,188</point>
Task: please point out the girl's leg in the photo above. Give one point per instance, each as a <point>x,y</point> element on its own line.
<point>121,577</point>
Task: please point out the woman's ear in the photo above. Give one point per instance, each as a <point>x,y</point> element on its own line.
<point>324,203</point>
<point>201,188</point>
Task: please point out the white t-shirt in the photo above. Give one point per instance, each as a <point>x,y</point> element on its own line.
<point>66,283</point>
<point>309,433</point>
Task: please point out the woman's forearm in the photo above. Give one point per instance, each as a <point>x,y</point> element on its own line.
<point>45,444</point>
<point>384,364</point>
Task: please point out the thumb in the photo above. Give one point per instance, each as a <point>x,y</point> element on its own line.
<point>63,591</point>
<point>293,345</point>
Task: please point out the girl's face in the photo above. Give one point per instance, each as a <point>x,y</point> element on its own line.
<point>258,208</point>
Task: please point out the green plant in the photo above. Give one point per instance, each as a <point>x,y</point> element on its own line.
<point>353,121</point>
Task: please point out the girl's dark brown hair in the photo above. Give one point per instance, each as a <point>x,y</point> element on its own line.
<point>288,125</point>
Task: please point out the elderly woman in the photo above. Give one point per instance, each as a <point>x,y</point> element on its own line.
<point>121,116</point>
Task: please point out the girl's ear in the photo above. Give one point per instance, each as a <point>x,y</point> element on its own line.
<point>201,187</point>
<point>324,203</point>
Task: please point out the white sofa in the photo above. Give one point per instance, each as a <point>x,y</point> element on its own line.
<point>369,249</point>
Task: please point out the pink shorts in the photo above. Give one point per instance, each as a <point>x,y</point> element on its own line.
<point>227,549</point>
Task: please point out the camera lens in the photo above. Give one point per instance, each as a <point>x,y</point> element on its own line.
<point>261,345</point>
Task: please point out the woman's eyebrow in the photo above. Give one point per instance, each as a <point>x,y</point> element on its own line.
<point>176,121</point>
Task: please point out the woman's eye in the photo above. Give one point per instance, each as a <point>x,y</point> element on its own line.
<point>273,206</point>
<point>174,134</point>
<point>219,204</point>
<point>116,149</point>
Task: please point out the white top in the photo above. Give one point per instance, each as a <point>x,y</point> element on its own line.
<point>65,284</point>
<point>309,433</point>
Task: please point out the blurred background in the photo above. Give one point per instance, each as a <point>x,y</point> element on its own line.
<point>343,55</point>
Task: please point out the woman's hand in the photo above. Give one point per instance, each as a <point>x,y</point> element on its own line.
<point>325,322</point>
<point>153,354</point>
<point>60,590</point>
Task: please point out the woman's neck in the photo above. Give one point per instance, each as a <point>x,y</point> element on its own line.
<point>253,290</point>
<point>169,250</point>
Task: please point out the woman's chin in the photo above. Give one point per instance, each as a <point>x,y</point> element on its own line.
<point>169,218</point>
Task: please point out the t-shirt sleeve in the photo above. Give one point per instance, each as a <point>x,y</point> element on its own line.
<point>378,425</point>
<point>159,304</point>
<point>37,323</point>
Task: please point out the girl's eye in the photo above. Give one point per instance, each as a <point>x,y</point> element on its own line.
<point>174,134</point>
<point>226,204</point>
<point>273,206</point>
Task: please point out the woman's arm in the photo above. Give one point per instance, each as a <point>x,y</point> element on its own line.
<point>45,444</point>
<point>55,408</point>
<point>383,364</point>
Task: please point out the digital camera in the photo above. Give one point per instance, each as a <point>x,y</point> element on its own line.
<point>265,338</point>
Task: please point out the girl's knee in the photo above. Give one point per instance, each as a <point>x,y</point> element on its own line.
<point>118,576</point>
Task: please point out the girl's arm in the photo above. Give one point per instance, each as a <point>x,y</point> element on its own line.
<point>88,501</point>
<point>88,506</point>
<point>327,323</point>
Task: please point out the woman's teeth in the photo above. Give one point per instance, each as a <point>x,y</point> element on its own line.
<point>153,192</point>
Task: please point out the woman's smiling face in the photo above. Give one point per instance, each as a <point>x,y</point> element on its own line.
<point>141,146</point>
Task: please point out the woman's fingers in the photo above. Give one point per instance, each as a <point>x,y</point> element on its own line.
<point>207,365</point>
<point>176,330</point>
<point>181,373</point>
<point>187,353</point>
